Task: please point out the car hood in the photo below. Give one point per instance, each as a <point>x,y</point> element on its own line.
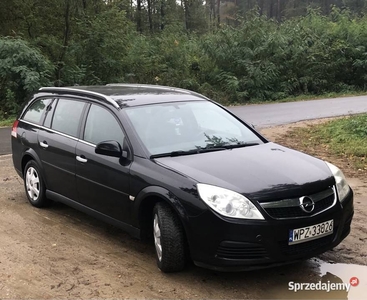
<point>264,172</point>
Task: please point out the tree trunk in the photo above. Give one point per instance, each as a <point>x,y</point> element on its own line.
<point>261,5</point>
<point>138,16</point>
<point>162,14</point>
<point>131,10</point>
<point>271,10</point>
<point>279,16</point>
<point>218,12</point>
<point>60,62</point>
<point>213,12</point>
<point>187,14</point>
<point>150,15</point>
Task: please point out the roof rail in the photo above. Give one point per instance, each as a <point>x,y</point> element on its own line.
<point>158,86</point>
<point>152,86</point>
<point>79,91</point>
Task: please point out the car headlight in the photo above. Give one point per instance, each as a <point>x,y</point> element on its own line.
<point>342,186</point>
<point>228,203</point>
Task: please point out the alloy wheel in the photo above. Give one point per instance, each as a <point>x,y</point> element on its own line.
<point>157,237</point>
<point>32,183</point>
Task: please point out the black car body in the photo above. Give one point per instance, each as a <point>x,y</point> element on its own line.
<point>231,203</point>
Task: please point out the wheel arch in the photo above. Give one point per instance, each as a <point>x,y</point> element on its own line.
<point>144,205</point>
<point>29,155</point>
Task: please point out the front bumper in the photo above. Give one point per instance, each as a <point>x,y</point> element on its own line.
<point>237,245</point>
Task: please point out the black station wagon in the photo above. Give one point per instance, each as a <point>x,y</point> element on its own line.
<point>171,166</point>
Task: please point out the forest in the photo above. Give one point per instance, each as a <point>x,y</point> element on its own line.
<point>233,51</point>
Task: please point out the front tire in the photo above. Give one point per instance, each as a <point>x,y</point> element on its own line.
<point>34,185</point>
<point>169,239</point>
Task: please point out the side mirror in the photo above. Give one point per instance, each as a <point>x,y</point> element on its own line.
<point>109,148</point>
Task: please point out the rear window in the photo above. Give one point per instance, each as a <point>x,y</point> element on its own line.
<point>36,110</point>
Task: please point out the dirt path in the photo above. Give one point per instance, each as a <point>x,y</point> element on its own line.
<point>61,253</point>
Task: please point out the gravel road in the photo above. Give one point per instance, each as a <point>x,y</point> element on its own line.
<point>266,115</point>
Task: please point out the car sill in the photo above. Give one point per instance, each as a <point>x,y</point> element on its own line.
<point>133,231</point>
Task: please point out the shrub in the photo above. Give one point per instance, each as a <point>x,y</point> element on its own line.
<point>23,69</point>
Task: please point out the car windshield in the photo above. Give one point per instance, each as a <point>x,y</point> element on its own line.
<point>180,127</point>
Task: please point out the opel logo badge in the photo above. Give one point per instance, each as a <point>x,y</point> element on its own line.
<point>306,204</point>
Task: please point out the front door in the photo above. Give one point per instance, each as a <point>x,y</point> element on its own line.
<point>102,181</point>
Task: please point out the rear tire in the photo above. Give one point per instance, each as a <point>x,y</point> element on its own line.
<point>169,239</point>
<point>34,185</point>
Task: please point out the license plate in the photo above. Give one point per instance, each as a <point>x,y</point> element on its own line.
<point>312,232</point>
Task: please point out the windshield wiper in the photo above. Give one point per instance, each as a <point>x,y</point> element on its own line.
<point>240,145</point>
<point>198,150</point>
<point>175,153</point>
<point>188,152</point>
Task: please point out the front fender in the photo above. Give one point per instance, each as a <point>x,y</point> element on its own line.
<point>162,193</point>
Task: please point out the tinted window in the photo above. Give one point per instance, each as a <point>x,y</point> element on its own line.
<point>67,116</point>
<point>35,111</point>
<point>102,126</point>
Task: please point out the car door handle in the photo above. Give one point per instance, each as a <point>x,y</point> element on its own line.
<point>44,144</point>
<point>81,158</point>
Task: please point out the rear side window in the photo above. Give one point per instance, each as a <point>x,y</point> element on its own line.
<point>102,126</point>
<point>67,116</point>
<point>36,110</point>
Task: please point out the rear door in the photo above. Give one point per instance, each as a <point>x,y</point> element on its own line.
<point>26,136</point>
<point>57,141</point>
<point>102,181</point>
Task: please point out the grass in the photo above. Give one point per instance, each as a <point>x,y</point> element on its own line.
<point>345,137</point>
<point>6,122</point>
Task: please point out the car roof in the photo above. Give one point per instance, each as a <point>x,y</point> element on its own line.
<point>126,95</point>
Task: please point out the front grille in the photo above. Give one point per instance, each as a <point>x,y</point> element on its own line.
<point>241,251</point>
<point>306,247</point>
<point>290,208</point>
<point>294,212</point>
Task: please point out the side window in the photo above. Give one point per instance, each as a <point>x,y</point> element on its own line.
<point>67,116</point>
<point>35,112</point>
<point>102,126</point>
